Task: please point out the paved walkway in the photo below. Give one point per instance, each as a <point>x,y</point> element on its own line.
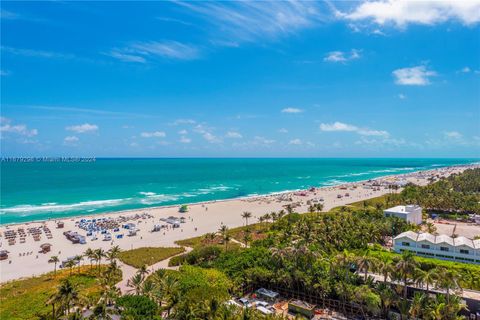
<point>129,271</point>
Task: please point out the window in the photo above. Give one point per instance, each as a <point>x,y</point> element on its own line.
<point>443,249</point>
<point>464,251</point>
<point>425,246</point>
<point>406,244</point>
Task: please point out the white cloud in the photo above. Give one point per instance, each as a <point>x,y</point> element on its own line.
<point>118,54</point>
<point>142,51</point>
<point>295,142</point>
<point>183,132</point>
<point>402,13</point>
<point>283,130</point>
<point>401,96</point>
<point>415,76</point>
<point>291,110</point>
<point>185,140</point>
<point>247,21</point>
<point>154,134</point>
<point>211,137</point>
<point>340,56</point>
<point>340,126</point>
<point>262,140</point>
<point>465,70</point>
<point>183,121</point>
<point>82,128</point>
<point>337,126</point>
<point>70,140</point>
<point>233,135</point>
<point>453,135</point>
<point>20,129</point>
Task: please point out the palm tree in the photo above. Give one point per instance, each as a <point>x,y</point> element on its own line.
<point>99,254</point>
<point>384,267</point>
<point>418,305</point>
<point>406,266</point>
<point>247,236</point>
<point>246,215</point>
<point>68,294</point>
<point>113,253</point>
<point>70,264</point>
<point>90,254</point>
<point>78,259</point>
<point>226,237</point>
<point>143,271</point>
<point>364,263</point>
<point>54,260</point>
<point>428,278</point>
<point>135,283</point>
<point>448,281</point>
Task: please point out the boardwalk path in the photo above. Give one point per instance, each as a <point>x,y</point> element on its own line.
<point>129,271</point>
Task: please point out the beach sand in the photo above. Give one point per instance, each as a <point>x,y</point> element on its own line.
<point>200,219</point>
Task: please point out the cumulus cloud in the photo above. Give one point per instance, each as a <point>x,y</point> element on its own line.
<point>283,130</point>
<point>401,96</point>
<point>291,110</point>
<point>183,132</point>
<point>233,135</point>
<point>340,56</point>
<point>19,129</point>
<point>210,137</point>
<point>337,126</point>
<point>83,128</point>
<point>70,140</point>
<point>402,13</point>
<point>340,126</point>
<point>295,142</point>
<point>154,134</point>
<point>415,76</point>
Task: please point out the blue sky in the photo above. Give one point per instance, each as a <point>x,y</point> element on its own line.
<point>240,79</point>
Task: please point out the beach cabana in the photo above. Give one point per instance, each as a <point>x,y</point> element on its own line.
<point>3,254</point>
<point>46,247</point>
<point>60,224</point>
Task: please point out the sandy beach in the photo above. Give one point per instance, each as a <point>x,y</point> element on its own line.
<point>24,259</point>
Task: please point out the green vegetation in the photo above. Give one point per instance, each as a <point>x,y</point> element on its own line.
<point>457,194</point>
<point>468,274</point>
<point>25,299</point>
<point>148,255</point>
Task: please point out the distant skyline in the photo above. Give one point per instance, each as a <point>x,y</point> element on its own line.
<point>240,79</point>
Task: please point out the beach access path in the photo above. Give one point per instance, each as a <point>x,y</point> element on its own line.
<point>129,271</point>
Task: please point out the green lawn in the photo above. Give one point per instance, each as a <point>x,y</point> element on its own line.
<point>148,255</point>
<point>26,298</point>
<point>257,232</point>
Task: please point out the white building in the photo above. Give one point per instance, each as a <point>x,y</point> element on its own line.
<point>459,249</point>
<point>410,213</point>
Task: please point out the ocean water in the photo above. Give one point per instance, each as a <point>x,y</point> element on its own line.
<point>42,190</point>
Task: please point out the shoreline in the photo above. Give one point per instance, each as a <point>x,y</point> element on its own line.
<point>275,193</point>
<point>25,260</point>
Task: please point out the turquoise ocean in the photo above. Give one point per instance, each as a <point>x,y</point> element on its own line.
<point>43,190</point>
